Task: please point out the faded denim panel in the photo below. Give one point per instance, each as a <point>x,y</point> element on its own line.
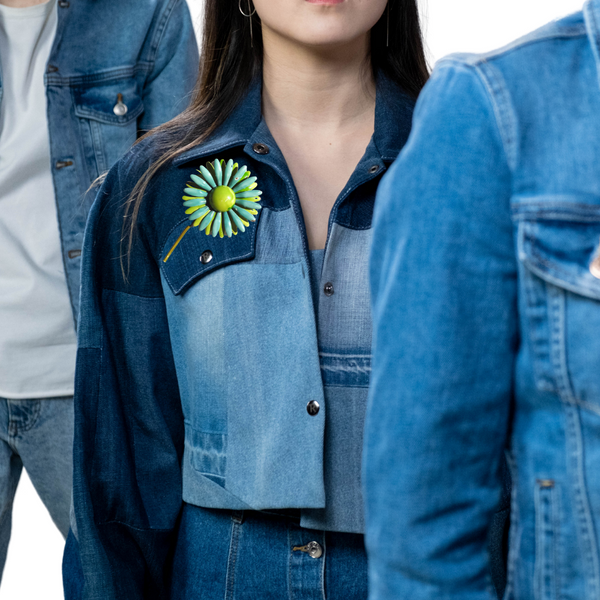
<point>220,329</point>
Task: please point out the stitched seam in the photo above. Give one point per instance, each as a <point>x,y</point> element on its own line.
<point>501,102</point>
<point>160,31</point>
<point>133,295</point>
<point>232,559</point>
<point>108,75</point>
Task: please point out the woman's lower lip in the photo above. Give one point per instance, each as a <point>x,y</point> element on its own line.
<point>325,1</point>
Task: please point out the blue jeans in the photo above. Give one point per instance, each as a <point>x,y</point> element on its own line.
<point>244,555</point>
<point>37,435</point>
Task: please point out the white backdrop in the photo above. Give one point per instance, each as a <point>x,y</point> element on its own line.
<point>33,567</point>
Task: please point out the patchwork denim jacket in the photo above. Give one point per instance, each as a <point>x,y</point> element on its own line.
<point>486,292</point>
<point>116,68</point>
<point>197,376</point>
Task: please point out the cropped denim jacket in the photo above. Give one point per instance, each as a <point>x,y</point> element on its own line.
<point>486,295</point>
<point>194,375</point>
<point>141,53</point>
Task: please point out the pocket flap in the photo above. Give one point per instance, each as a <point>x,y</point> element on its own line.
<point>563,252</point>
<point>198,254</point>
<point>115,103</point>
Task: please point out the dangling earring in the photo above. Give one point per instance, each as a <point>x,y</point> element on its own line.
<point>248,16</point>
<point>387,40</point>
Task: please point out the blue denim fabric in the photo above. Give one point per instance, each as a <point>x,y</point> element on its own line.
<point>193,378</point>
<point>37,435</point>
<point>249,555</point>
<point>144,50</point>
<point>486,316</point>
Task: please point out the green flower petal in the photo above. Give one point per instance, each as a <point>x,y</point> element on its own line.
<point>237,221</point>
<point>244,213</point>
<point>248,204</point>
<point>227,224</point>
<point>228,171</point>
<point>208,177</point>
<point>200,183</point>
<point>216,225</point>
<point>207,220</point>
<point>239,175</point>
<point>248,194</point>
<point>218,172</point>
<point>242,185</point>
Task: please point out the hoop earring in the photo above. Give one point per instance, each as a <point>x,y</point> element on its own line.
<point>248,16</point>
<point>387,40</point>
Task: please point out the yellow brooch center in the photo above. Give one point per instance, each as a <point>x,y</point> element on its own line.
<point>222,198</point>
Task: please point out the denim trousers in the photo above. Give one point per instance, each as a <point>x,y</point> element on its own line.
<point>37,435</point>
<point>244,555</point>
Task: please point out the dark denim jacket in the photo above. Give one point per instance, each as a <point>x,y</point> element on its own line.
<point>141,51</point>
<point>194,376</point>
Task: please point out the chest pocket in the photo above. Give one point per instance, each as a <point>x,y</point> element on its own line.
<point>559,247</point>
<point>108,115</point>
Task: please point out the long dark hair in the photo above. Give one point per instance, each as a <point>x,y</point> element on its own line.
<point>229,64</point>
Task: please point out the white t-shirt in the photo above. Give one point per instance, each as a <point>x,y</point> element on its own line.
<point>37,333</point>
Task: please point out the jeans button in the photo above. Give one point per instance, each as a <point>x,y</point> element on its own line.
<point>314,550</point>
<point>312,408</point>
<point>206,257</point>
<point>328,289</point>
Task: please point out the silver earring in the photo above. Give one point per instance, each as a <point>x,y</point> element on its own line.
<point>248,16</point>
<point>387,40</point>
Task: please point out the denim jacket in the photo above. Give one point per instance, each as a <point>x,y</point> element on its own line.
<point>142,53</point>
<point>197,376</point>
<point>486,294</point>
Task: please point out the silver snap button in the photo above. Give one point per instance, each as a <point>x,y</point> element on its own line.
<point>63,4</point>
<point>52,69</point>
<point>328,289</point>
<point>312,408</point>
<point>260,148</point>
<point>595,268</point>
<point>314,549</point>
<point>206,257</point>
<point>120,109</point>
<point>374,169</point>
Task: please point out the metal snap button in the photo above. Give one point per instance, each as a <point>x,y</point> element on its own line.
<point>120,109</point>
<point>374,169</point>
<point>260,148</point>
<point>312,408</point>
<point>595,267</point>
<point>51,69</point>
<point>328,289</point>
<point>63,4</point>
<point>74,254</point>
<point>315,550</point>
<point>206,257</point>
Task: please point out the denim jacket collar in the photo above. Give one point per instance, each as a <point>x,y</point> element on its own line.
<point>393,112</point>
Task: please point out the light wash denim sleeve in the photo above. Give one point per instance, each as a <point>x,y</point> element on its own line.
<point>167,91</point>
<point>443,277</point>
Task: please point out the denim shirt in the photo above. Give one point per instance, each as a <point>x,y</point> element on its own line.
<point>486,295</point>
<point>141,51</point>
<point>194,375</point>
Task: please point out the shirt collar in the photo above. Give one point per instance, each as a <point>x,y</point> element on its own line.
<point>393,117</point>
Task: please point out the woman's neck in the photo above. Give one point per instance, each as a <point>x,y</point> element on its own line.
<point>310,88</point>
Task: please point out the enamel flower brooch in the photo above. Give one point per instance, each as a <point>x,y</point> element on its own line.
<point>221,199</point>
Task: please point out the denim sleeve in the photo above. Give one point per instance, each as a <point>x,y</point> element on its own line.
<point>168,88</point>
<point>443,276</point>
<point>128,420</point>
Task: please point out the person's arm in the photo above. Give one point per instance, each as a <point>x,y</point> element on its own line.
<point>168,87</point>
<point>128,419</point>
<point>443,275</point>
